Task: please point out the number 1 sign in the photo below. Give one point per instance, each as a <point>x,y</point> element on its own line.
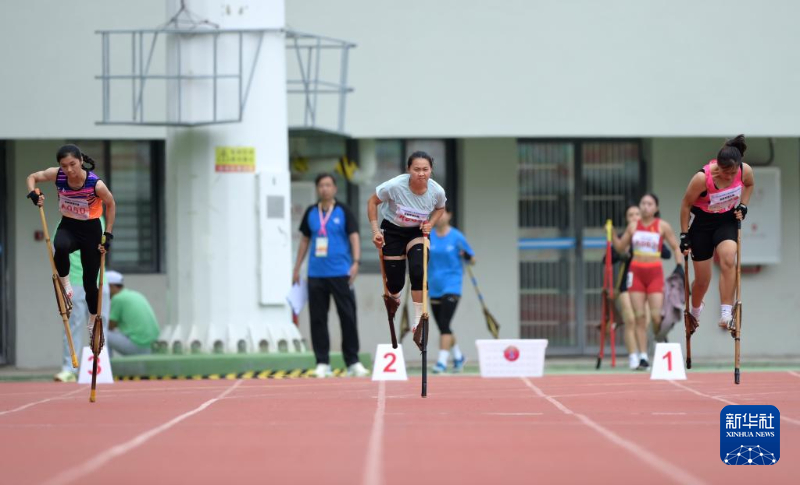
<point>668,363</point>
<point>389,364</point>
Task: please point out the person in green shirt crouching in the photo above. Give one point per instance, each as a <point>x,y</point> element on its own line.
<point>132,323</point>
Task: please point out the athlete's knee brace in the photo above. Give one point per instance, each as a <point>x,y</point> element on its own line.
<point>415,267</point>
<point>395,274</point>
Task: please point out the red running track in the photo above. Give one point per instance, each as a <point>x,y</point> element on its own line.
<point>559,429</point>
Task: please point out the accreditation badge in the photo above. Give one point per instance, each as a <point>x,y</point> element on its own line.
<point>321,248</point>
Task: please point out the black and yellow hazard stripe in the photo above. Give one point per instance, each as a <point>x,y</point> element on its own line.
<point>266,374</point>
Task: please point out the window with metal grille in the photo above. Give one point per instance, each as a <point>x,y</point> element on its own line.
<point>133,171</point>
<point>567,190</point>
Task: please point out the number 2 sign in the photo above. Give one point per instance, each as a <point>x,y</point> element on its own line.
<point>389,364</point>
<point>668,363</point>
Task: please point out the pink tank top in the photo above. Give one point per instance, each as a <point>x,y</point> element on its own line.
<point>716,200</point>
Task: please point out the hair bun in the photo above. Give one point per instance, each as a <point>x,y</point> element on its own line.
<point>738,143</point>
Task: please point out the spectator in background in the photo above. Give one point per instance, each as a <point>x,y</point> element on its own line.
<point>332,231</point>
<point>132,323</point>
<point>448,247</point>
<point>79,318</point>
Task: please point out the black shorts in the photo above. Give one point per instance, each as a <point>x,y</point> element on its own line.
<point>622,276</point>
<point>396,238</point>
<point>443,310</point>
<point>707,231</point>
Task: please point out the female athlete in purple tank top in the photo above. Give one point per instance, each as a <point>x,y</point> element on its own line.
<point>716,198</point>
<point>81,195</point>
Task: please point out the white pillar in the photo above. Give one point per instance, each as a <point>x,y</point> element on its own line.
<point>229,254</point>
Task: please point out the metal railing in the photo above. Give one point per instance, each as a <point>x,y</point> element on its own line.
<point>145,44</point>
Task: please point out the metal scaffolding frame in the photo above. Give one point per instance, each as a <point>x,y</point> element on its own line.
<point>308,49</point>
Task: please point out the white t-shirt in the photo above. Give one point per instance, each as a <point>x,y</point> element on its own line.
<point>404,208</point>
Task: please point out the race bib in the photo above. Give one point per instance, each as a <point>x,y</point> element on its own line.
<point>410,217</point>
<point>646,243</point>
<point>321,247</point>
<point>724,200</point>
<point>74,208</point>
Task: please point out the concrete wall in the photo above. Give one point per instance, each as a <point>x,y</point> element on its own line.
<point>461,68</point>
<point>48,89</point>
<point>472,68</point>
<point>770,300</point>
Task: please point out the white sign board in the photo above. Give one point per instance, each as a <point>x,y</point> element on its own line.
<point>104,374</point>
<point>511,357</point>
<point>761,229</point>
<point>668,363</point>
<point>390,365</point>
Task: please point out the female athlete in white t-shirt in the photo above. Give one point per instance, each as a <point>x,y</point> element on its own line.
<point>410,204</point>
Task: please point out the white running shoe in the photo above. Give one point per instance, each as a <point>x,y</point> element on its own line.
<point>729,324</point>
<point>357,370</point>
<point>65,376</point>
<point>633,361</point>
<point>322,371</point>
<point>67,286</point>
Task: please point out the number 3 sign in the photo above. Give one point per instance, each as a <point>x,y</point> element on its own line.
<point>389,364</point>
<point>104,374</point>
<point>668,363</point>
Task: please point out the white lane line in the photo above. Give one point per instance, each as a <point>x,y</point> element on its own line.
<point>373,469</point>
<point>552,400</point>
<point>30,404</point>
<point>668,414</point>
<point>98,461</point>
<point>669,470</point>
<point>794,373</point>
<point>717,398</point>
<point>513,414</point>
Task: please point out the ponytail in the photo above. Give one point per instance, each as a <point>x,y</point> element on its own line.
<point>731,153</point>
<point>87,163</point>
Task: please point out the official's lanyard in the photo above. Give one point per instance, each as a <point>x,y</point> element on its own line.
<point>323,219</point>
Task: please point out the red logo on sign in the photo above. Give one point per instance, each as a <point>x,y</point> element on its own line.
<point>511,353</point>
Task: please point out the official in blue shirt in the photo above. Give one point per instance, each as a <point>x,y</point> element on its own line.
<point>445,274</point>
<point>331,231</point>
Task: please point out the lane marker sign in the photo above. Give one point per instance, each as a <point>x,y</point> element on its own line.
<point>104,374</point>
<point>668,363</point>
<point>390,365</point>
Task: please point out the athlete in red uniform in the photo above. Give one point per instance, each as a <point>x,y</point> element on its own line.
<point>716,198</point>
<point>646,277</point>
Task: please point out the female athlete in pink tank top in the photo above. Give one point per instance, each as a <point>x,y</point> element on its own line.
<point>715,200</point>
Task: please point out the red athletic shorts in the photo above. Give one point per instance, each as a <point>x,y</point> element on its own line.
<point>646,277</point>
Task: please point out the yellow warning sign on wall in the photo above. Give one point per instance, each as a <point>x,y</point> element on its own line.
<point>235,159</point>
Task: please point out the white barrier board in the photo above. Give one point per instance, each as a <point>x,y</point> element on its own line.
<point>511,357</point>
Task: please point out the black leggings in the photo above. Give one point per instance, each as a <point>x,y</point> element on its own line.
<point>443,310</point>
<point>401,241</point>
<point>84,236</point>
